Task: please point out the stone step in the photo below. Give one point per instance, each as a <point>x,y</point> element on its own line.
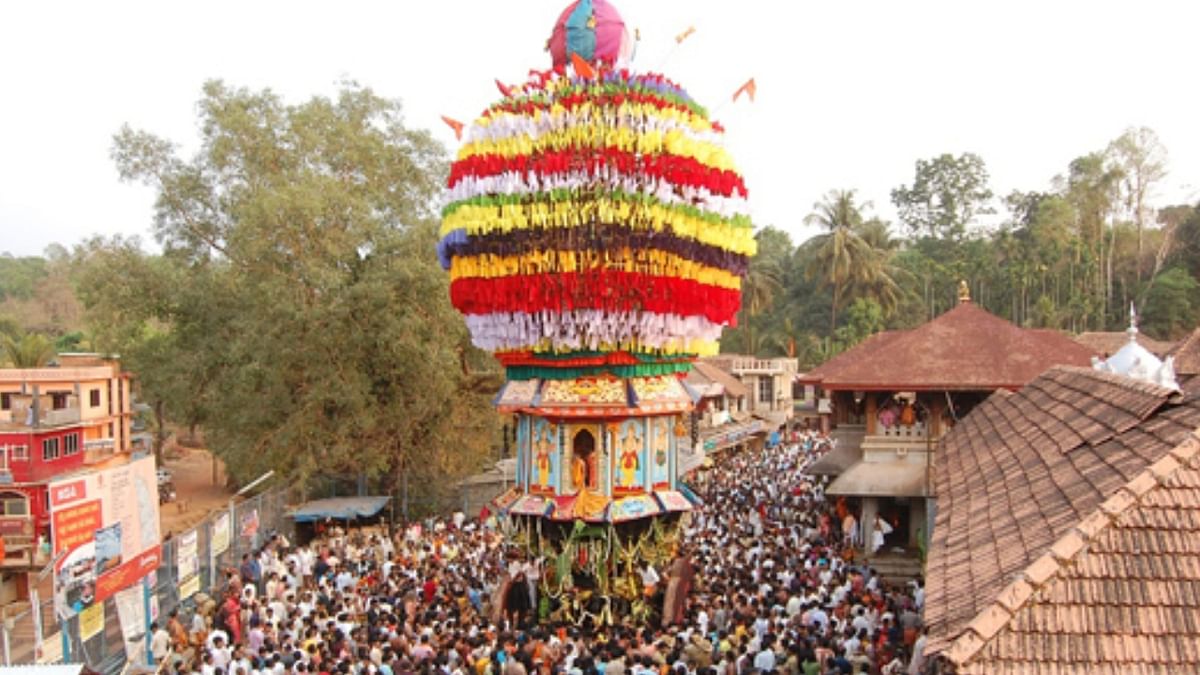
<point>896,570</point>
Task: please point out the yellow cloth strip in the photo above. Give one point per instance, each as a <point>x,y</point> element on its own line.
<point>645,261</point>
<point>590,134</point>
<point>481,220</point>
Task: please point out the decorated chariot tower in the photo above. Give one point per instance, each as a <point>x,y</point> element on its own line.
<point>596,234</point>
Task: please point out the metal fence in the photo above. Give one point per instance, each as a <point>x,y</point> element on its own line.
<point>250,523</point>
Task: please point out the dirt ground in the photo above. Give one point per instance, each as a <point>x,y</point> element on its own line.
<point>196,494</point>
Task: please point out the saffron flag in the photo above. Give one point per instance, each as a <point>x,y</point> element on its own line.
<point>750,88</point>
<point>582,67</point>
<point>455,125</point>
<point>685,35</point>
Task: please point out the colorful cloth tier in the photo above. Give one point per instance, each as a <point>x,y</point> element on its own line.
<point>595,224</point>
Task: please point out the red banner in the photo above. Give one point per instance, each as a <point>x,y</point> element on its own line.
<point>127,574</point>
<point>76,525</point>
<point>67,493</point>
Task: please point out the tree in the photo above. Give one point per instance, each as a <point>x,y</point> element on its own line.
<point>1141,161</point>
<point>842,258</point>
<point>864,317</point>
<point>1172,307</point>
<point>763,283</point>
<point>946,195</point>
<point>146,308</point>
<point>27,351</point>
<point>310,228</point>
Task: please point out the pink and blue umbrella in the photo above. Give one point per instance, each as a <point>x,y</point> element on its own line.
<point>592,29</point>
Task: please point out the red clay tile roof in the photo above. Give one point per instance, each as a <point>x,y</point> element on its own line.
<point>1187,355</point>
<point>966,348</point>
<point>1106,343</point>
<point>1067,528</point>
<point>863,350</point>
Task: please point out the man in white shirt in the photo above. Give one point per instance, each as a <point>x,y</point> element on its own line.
<point>221,655</point>
<point>160,642</point>
<point>764,661</point>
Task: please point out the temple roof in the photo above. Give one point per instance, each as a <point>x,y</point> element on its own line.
<point>964,349</point>
<point>1065,536</point>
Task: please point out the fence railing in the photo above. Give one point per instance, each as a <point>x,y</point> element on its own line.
<point>250,523</point>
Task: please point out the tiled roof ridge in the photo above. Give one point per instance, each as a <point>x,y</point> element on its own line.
<point>1042,572</point>
<point>1122,381</point>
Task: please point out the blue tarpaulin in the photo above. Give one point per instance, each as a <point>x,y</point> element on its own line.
<point>339,508</point>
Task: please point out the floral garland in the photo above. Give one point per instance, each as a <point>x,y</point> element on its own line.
<point>595,224</point>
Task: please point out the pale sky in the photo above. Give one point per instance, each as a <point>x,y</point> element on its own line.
<point>850,94</point>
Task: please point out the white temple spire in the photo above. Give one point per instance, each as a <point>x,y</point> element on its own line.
<point>1135,361</point>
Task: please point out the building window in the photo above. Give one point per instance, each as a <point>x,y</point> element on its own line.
<point>5,400</point>
<point>50,449</point>
<point>766,389</point>
<point>94,398</point>
<point>14,504</point>
<point>58,400</point>
<point>70,444</point>
<point>20,453</point>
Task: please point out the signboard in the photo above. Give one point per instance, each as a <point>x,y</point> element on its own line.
<point>250,524</point>
<point>220,534</point>
<point>131,610</point>
<point>105,533</point>
<point>189,587</point>
<point>91,621</point>
<point>187,558</point>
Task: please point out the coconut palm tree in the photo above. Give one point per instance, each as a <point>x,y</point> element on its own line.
<point>844,261</point>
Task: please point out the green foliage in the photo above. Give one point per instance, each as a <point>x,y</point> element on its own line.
<point>26,351</point>
<point>1172,307</point>
<point>864,317</point>
<point>69,342</point>
<point>947,194</point>
<point>20,276</point>
<point>1071,257</point>
<point>298,293</point>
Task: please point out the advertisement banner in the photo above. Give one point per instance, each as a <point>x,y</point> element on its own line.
<point>220,534</point>
<point>189,587</point>
<point>250,524</point>
<point>91,621</point>
<point>131,610</point>
<point>187,557</point>
<point>104,526</point>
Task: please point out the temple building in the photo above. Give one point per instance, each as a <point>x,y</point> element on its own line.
<point>888,401</point>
